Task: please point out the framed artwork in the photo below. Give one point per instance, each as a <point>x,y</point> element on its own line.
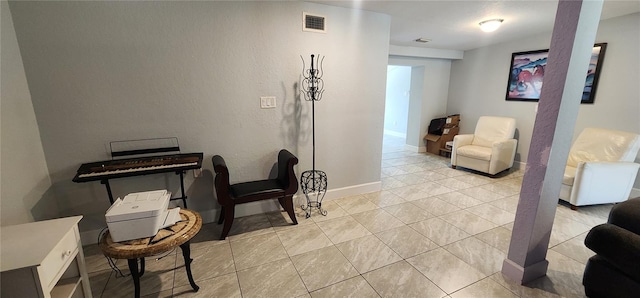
<point>597,56</point>
<point>527,71</point>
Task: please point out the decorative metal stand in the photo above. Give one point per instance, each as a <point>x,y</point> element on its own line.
<point>314,187</point>
<point>314,182</point>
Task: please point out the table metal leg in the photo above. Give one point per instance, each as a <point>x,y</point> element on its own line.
<point>141,273</point>
<point>186,253</point>
<point>133,268</point>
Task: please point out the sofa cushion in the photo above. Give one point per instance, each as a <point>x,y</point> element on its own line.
<point>476,152</point>
<point>601,279</point>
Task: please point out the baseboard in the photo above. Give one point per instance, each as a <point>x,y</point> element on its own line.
<point>414,148</point>
<point>517,165</point>
<point>635,192</point>
<point>211,215</point>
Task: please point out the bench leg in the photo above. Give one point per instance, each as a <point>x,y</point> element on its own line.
<point>287,204</point>
<point>229,213</point>
<point>221,217</point>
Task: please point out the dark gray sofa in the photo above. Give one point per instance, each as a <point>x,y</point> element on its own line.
<point>615,269</point>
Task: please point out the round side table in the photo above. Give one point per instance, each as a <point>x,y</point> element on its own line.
<point>134,250</point>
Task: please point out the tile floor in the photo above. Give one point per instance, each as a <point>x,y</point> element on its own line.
<point>431,232</point>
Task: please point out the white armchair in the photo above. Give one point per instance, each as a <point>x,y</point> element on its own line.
<point>491,149</point>
<point>600,168</point>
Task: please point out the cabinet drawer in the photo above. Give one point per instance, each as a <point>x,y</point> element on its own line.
<point>55,262</point>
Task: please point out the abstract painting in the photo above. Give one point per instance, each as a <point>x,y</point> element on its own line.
<point>527,71</point>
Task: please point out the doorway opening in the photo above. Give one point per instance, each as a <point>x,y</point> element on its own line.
<point>396,112</point>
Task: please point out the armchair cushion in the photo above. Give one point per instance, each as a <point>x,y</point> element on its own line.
<point>475,151</point>
<point>493,129</point>
<point>569,175</point>
<point>598,144</point>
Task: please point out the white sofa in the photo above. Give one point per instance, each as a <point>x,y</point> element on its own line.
<point>490,149</point>
<point>600,168</point>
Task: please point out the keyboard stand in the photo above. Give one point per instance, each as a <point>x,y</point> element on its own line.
<point>183,198</point>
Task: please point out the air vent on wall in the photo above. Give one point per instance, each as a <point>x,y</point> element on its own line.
<point>313,23</point>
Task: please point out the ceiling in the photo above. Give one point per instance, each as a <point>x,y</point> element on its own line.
<point>453,25</point>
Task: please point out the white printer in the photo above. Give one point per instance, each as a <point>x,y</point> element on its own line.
<point>138,215</point>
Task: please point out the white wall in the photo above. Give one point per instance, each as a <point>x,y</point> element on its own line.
<point>397,99</point>
<point>107,71</point>
<point>430,101</point>
<point>478,84</point>
<point>24,171</point>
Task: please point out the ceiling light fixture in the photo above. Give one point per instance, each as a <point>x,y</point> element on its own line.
<point>490,25</point>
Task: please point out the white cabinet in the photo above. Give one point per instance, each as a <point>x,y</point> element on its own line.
<point>43,259</point>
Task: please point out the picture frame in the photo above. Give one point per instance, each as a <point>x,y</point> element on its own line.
<point>526,73</point>
<point>593,73</point>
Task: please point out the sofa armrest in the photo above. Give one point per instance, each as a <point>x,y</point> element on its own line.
<point>626,215</point>
<point>603,182</point>
<point>620,247</point>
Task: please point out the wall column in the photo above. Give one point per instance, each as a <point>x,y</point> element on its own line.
<point>572,41</point>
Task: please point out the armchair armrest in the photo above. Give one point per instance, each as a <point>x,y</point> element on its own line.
<point>459,141</point>
<point>462,140</point>
<point>502,155</point>
<point>620,247</point>
<point>603,182</point>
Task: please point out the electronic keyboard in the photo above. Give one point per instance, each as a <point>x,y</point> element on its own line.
<point>119,168</point>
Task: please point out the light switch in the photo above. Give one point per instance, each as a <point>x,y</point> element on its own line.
<point>267,102</point>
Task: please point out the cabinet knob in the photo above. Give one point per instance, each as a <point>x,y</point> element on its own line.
<point>66,253</point>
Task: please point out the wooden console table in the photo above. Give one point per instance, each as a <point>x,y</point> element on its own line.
<point>136,250</point>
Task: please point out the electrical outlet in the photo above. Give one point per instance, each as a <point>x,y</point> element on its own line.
<point>197,173</point>
<point>267,102</point>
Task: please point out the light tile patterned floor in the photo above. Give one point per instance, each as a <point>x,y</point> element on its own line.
<point>431,232</point>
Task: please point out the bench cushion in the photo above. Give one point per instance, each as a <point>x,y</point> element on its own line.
<point>260,187</point>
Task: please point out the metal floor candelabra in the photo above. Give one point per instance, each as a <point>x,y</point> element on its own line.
<point>313,182</point>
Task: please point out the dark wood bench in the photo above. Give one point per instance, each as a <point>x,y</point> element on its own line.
<point>283,187</point>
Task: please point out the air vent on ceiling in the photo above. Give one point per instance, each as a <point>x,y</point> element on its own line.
<point>313,23</point>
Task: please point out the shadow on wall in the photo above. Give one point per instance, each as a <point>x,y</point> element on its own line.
<point>291,124</point>
<point>66,198</point>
